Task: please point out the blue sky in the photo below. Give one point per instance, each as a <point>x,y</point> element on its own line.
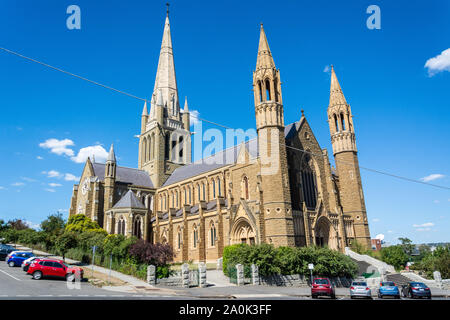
<point>401,109</point>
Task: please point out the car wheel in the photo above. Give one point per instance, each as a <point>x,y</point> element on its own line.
<point>11,264</point>
<point>380,296</point>
<point>37,275</point>
<point>70,277</point>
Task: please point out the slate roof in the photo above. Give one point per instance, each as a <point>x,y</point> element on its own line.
<point>129,200</point>
<point>126,175</point>
<point>216,161</point>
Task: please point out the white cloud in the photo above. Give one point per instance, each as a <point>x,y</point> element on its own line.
<point>39,158</point>
<point>59,147</point>
<point>2,188</point>
<point>50,190</point>
<point>376,220</point>
<point>380,236</point>
<point>423,229</point>
<point>28,179</point>
<point>432,177</point>
<point>327,68</point>
<point>423,225</point>
<point>71,177</point>
<point>52,174</point>
<point>55,185</point>
<point>17,184</point>
<point>193,116</point>
<point>63,210</point>
<point>98,151</point>
<point>439,63</point>
<point>390,231</point>
<point>436,201</point>
<point>32,224</point>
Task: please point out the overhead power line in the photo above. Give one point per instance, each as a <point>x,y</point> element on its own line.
<point>212,122</point>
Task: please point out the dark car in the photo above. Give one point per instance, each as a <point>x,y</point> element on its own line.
<point>322,287</point>
<point>416,289</point>
<point>5,250</point>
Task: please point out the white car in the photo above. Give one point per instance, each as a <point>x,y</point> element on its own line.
<point>27,262</point>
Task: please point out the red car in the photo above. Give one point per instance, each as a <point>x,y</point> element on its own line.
<point>322,287</point>
<point>40,268</point>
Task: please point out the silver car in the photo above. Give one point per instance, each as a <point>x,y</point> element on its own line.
<point>360,289</point>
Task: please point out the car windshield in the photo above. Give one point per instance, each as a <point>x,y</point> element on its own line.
<point>418,284</point>
<point>320,281</point>
<point>388,284</point>
<point>360,284</point>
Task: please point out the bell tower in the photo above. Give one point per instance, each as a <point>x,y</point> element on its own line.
<point>165,139</point>
<point>343,140</point>
<point>278,221</point>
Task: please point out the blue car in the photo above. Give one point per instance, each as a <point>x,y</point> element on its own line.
<point>16,258</point>
<point>388,288</point>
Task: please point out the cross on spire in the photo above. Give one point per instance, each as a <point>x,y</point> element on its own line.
<point>167,4</point>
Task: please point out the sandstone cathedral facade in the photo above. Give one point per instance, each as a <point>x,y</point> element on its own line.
<point>234,196</point>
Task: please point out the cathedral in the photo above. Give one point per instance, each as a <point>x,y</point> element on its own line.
<point>278,188</point>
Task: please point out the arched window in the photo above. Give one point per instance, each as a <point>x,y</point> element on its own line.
<point>152,146</point>
<point>179,239</point>
<point>121,226</point>
<point>137,232</point>
<point>180,146</point>
<point>213,235</point>
<point>203,191</point>
<point>144,150</point>
<point>342,121</point>
<point>260,91</point>
<point>173,200</point>
<point>167,147</point>
<point>245,186</point>
<point>213,183</point>
<point>148,149</point>
<point>198,192</point>
<point>275,84</point>
<point>268,97</point>
<point>336,123</point>
<point>218,186</point>
<point>309,184</point>
<point>177,204</point>
<point>195,237</point>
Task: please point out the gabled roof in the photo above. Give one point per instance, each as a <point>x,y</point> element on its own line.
<point>129,200</point>
<point>126,175</point>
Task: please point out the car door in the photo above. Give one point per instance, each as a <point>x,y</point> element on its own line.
<point>48,269</point>
<point>59,270</point>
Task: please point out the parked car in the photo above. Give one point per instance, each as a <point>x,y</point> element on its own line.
<point>5,250</point>
<point>388,288</point>
<point>416,289</point>
<point>15,258</point>
<point>322,287</point>
<point>360,289</point>
<point>40,268</point>
<point>26,263</point>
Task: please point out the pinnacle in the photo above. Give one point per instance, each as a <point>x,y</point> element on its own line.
<point>144,110</point>
<point>336,94</point>
<point>264,59</point>
<point>111,155</point>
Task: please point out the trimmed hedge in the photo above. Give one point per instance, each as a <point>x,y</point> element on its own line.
<point>288,260</point>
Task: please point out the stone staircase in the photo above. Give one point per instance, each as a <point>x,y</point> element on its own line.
<point>397,278</point>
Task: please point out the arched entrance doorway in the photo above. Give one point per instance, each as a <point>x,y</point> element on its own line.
<point>243,232</point>
<point>325,234</point>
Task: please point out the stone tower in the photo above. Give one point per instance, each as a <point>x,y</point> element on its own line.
<point>278,225</point>
<point>165,139</point>
<point>110,180</point>
<point>343,140</point>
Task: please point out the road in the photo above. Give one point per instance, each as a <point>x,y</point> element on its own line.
<point>16,284</point>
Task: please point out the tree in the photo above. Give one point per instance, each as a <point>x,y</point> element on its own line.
<point>18,224</point>
<point>407,246</point>
<point>81,223</point>
<point>54,224</point>
<point>157,254</point>
<point>394,255</point>
<point>66,241</point>
<point>3,225</point>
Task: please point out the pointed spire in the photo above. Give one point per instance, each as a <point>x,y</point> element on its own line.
<point>336,94</point>
<point>186,107</point>
<point>144,110</point>
<point>111,155</point>
<point>264,59</point>
<point>166,81</point>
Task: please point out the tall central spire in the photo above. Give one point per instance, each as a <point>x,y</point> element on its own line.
<point>166,81</point>
<point>336,94</point>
